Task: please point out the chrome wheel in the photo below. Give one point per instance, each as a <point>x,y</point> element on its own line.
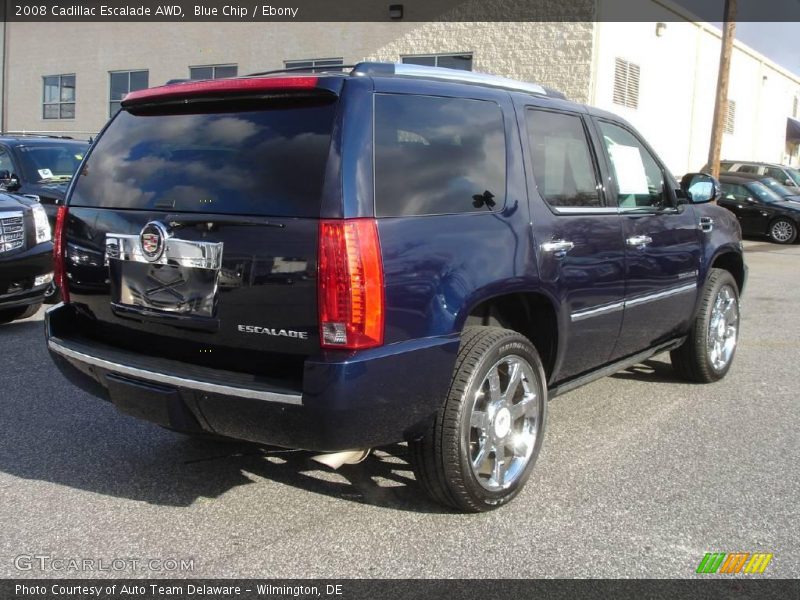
<point>782,231</point>
<point>504,423</point>
<point>723,328</point>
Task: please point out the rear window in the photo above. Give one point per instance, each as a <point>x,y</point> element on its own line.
<point>438,155</point>
<point>263,160</point>
<point>762,192</point>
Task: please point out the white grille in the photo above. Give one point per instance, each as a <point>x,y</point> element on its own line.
<point>12,231</point>
<point>626,83</point>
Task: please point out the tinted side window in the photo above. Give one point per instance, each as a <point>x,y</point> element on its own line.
<point>562,163</point>
<point>748,169</point>
<point>730,191</point>
<point>640,180</point>
<point>777,174</point>
<point>5,162</point>
<point>438,155</point>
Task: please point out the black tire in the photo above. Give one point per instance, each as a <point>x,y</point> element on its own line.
<point>442,457</point>
<point>53,294</point>
<point>692,361</point>
<point>782,231</point>
<point>22,312</point>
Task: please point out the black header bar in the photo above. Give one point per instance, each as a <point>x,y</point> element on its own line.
<point>393,10</point>
<point>735,587</point>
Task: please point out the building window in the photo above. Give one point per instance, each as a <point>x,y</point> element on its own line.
<point>461,61</point>
<point>121,83</point>
<point>794,107</point>
<point>315,65</point>
<point>59,97</point>
<point>213,71</point>
<point>626,83</point>
<point>730,117</point>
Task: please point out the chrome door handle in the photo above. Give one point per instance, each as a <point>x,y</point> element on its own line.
<point>707,223</point>
<point>559,248</point>
<point>639,241</point>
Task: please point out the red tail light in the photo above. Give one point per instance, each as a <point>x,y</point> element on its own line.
<point>351,311</point>
<point>59,252</point>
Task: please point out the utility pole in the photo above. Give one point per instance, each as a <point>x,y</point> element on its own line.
<point>721,102</point>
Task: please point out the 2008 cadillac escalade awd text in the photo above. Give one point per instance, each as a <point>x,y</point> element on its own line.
<point>337,262</point>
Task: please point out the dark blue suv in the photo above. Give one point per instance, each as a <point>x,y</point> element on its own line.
<point>402,254</point>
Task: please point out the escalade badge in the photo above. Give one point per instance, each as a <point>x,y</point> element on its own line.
<point>153,239</point>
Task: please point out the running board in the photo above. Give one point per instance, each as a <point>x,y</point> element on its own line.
<point>614,367</point>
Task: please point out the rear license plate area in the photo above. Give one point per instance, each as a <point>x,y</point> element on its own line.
<point>165,288</point>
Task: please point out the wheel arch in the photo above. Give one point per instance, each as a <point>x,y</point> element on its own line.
<point>732,261</point>
<point>532,314</point>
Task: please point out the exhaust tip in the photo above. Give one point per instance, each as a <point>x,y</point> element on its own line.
<point>334,460</point>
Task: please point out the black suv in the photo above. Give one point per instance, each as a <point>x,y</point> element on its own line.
<point>26,257</point>
<point>338,262</point>
<point>40,167</point>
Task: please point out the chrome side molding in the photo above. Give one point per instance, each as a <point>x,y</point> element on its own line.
<point>596,311</point>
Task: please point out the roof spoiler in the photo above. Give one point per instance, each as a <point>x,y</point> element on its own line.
<point>221,87</point>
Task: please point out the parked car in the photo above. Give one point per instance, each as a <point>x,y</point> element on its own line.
<point>773,184</point>
<point>788,176</point>
<point>759,209</point>
<point>470,246</point>
<point>40,167</point>
<point>26,257</point>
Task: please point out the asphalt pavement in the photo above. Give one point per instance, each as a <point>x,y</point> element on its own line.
<point>640,475</point>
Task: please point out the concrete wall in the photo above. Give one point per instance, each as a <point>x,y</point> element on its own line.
<point>677,87</point>
<point>554,54</point>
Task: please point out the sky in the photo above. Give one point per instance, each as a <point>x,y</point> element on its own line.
<point>778,41</point>
<point>771,27</point>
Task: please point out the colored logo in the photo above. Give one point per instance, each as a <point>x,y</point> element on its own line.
<point>153,240</point>
<point>734,562</point>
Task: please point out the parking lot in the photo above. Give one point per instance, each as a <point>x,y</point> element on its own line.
<point>640,475</point>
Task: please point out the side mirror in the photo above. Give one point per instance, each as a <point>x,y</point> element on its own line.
<point>790,183</point>
<point>700,188</point>
<point>9,181</point>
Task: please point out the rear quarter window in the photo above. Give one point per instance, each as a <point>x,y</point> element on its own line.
<point>437,155</point>
<point>265,159</point>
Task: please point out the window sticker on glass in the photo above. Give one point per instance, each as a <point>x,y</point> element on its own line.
<point>631,177</point>
<point>45,173</point>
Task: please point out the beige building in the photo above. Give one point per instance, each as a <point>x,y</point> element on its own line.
<point>660,75</point>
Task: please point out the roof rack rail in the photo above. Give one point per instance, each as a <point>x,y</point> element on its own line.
<point>457,75</point>
<point>35,134</point>
<point>334,69</point>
